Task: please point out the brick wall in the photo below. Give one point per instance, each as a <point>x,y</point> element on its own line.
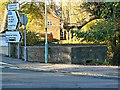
<point>55,27</point>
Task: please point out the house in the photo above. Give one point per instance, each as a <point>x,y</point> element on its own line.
<point>54,25</point>
<point>54,28</point>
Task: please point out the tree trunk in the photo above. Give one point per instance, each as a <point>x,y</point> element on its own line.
<point>119,38</point>
<point>114,41</point>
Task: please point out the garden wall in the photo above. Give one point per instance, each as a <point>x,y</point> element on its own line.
<point>75,54</point>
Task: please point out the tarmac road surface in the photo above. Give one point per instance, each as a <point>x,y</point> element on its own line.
<point>13,77</point>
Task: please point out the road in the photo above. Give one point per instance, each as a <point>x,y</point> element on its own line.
<point>13,77</point>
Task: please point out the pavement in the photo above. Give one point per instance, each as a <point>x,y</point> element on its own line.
<point>71,69</point>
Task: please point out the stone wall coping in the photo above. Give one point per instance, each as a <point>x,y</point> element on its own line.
<point>56,46</point>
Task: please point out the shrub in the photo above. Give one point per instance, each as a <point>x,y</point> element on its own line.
<point>32,38</point>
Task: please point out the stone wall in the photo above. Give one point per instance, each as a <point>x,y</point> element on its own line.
<point>35,53</point>
<point>80,54</point>
<point>60,54</point>
<point>88,54</point>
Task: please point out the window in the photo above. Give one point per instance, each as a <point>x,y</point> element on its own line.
<point>49,23</point>
<point>62,35</point>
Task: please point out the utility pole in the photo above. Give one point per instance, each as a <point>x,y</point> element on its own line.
<point>46,36</point>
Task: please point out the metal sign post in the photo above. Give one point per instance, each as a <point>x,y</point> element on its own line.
<point>25,51</point>
<point>13,37</point>
<point>18,50</point>
<point>9,50</point>
<point>24,21</point>
<point>13,24</point>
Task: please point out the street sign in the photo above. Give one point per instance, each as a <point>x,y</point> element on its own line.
<point>13,36</point>
<point>13,20</point>
<point>24,20</point>
<point>13,7</point>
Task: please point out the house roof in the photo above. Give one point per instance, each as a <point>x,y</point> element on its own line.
<point>53,14</point>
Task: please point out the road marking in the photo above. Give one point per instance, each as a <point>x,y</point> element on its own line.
<point>6,64</point>
<point>14,68</point>
<point>2,67</point>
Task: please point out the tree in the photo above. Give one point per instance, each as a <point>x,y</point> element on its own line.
<point>3,15</point>
<point>103,9</point>
<point>107,31</point>
<point>36,21</point>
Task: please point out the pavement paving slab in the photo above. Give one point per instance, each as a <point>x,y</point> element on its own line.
<point>89,70</point>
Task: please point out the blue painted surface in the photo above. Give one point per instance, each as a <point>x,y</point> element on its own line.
<point>7,39</point>
<point>9,13</point>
